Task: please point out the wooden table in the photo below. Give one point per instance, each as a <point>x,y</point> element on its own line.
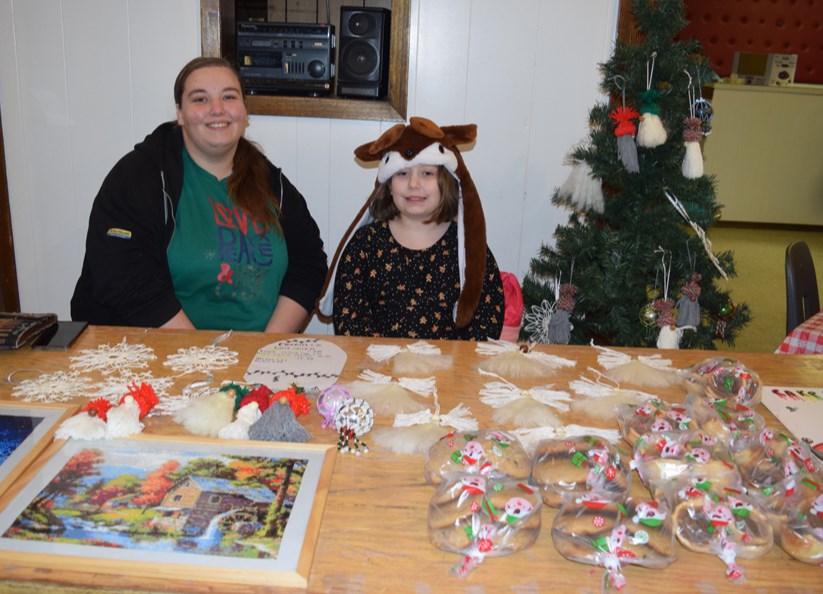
<point>373,536</point>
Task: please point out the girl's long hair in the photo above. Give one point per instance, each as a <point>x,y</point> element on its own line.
<point>250,182</point>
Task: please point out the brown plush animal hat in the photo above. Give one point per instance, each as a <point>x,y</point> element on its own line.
<point>423,142</point>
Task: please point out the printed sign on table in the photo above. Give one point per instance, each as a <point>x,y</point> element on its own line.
<point>311,363</point>
<point>800,410</point>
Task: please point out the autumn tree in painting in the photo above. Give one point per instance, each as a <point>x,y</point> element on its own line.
<point>156,485</point>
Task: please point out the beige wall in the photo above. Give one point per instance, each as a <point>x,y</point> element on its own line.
<point>759,259</point>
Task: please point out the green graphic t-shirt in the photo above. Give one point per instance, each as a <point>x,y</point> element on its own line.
<point>227,269</point>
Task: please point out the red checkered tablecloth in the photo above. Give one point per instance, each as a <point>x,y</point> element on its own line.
<point>806,339</point>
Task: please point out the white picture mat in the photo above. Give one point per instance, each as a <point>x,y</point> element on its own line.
<point>293,536</point>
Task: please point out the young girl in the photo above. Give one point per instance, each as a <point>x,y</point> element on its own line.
<point>410,269</point>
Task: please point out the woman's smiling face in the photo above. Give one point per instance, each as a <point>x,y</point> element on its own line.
<point>212,113</point>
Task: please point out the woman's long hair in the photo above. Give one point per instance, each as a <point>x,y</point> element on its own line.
<point>250,182</point>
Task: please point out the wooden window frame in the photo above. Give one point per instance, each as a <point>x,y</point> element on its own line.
<point>217,33</point>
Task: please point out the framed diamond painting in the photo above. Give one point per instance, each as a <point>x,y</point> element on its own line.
<point>187,509</point>
<point>26,429</point>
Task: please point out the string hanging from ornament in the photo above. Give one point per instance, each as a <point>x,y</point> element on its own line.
<point>688,306</point>
<point>559,329</point>
<point>692,166</point>
<point>669,336</point>
<point>625,129</point>
<point>707,244</point>
<point>650,131</point>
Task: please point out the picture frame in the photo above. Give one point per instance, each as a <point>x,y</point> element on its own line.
<point>175,508</point>
<point>26,429</point>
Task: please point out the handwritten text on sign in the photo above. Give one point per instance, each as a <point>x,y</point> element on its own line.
<point>311,363</point>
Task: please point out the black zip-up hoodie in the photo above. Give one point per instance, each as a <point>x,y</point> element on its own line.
<point>126,280</point>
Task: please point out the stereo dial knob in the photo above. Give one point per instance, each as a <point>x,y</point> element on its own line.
<point>317,69</point>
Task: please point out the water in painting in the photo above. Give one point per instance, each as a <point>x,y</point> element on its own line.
<point>227,505</point>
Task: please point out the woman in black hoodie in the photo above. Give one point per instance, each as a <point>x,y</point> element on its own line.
<point>195,228</point>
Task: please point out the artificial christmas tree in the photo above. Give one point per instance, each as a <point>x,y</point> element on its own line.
<point>635,248</point>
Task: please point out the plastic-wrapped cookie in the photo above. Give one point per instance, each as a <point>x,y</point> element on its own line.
<point>734,424</point>
<point>653,416</point>
<point>477,452</point>
<point>665,457</point>
<point>480,515</point>
<point>800,532</point>
<point>579,465</point>
<point>774,458</point>
<point>724,379</point>
<point>614,532</point>
<point>729,526</point>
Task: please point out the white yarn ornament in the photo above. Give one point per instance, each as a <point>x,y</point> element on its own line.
<point>651,371</point>
<point>387,396</point>
<point>124,420</point>
<point>523,408</point>
<point>415,433</point>
<point>239,427</point>
<point>418,358</point>
<point>82,426</point>
<point>583,189</point>
<point>530,438</point>
<point>600,399</point>
<point>511,360</point>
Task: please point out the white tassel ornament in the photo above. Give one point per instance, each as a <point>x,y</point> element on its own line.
<point>516,361</point>
<point>582,189</point>
<point>415,433</point>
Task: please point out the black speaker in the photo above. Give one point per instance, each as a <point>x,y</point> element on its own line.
<point>363,52</point>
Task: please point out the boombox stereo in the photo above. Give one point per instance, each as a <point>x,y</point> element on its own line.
<point>285,58</point>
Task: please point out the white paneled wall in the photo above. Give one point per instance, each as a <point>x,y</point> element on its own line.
<point>82,80</point>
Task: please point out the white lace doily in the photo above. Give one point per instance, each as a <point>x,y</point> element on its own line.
<point>201,359</point>
<point>55,387</point>
<point>107,359</point>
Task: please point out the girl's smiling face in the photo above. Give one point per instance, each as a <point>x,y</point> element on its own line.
<point>416,192</point>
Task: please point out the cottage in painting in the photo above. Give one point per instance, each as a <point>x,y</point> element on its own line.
<point>196,502</point>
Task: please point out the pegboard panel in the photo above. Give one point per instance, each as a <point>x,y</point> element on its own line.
<point>759,26</point>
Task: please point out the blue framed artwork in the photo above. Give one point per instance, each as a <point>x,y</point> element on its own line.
<point>236,512</point>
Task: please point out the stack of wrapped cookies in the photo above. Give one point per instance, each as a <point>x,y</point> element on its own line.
<point>483,505</point>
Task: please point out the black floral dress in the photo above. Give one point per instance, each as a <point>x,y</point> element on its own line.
<point>385,289</point>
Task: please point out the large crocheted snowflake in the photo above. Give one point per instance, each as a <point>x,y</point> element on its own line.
<point>201,359</point>
<point>120,358</point>
<point>115,387</point>
<point>56,387</point>
<point>537,322</point>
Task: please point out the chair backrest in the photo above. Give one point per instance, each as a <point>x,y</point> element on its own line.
<point>802,299</point>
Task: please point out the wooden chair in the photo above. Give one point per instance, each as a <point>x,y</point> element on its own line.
<point>802,299</point>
